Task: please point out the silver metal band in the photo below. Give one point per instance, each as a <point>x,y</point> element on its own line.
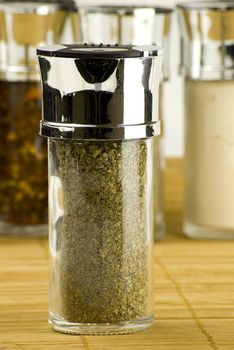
<point>111,132</point>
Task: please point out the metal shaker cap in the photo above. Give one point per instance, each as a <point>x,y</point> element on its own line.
<point>23,26</point>
<point>100,91</point>
<point>207,39</point>
<point>128,25</point>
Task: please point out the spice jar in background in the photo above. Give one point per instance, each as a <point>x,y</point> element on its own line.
<point>136,25</point>
<point>100,116</point>
<point>207,34</point>
<point>23,153</point>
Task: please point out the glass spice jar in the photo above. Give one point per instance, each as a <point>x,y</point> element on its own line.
<point>100,115</point>
<point>136,25</point>
<point>207,35</point>
<point>23,154</point>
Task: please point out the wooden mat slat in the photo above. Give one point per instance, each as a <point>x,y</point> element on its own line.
<point>194,292</point>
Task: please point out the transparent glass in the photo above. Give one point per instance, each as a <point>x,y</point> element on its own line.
<point>101,236</point>
<point>158,176</point>
<point>23,159</point>
<point>158,190</point>
<point>72,29</point>
<point>209,163</point>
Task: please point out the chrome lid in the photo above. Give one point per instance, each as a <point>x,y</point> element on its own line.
<point>207,40</point>
<point>100,91</point>
<point>128,25</point>
<point>23,26</point>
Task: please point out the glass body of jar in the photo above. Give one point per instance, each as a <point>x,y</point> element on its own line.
<point>101,240</point>
<point>23,158</point>
<point>159,176</point>
<point>209,165</point>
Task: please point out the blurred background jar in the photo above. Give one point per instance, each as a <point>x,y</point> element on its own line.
<point>23,155</point>
<point>207,64</point>
<point>135,25</point>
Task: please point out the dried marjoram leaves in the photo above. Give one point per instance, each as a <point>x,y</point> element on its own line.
<point>104,249</point>
<point>23,155</point>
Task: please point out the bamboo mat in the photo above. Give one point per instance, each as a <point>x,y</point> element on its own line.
<point>194,293</point>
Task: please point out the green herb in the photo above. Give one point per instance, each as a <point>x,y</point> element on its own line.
<point>105,239</point>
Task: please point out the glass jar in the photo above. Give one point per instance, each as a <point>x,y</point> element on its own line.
<point>100,181</point>
<point>23,154</point>
<point>135,25</point>
<point>207,31</point>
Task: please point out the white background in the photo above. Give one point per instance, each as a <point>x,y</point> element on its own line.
<point>173,96</point>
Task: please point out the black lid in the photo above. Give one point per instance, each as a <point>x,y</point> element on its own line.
<point>99,51</point>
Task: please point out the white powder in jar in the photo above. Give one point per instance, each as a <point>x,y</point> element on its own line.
<point>210,154</point>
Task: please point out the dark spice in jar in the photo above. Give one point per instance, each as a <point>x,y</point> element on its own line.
<point>23,155</point>
<point>103,239</point>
